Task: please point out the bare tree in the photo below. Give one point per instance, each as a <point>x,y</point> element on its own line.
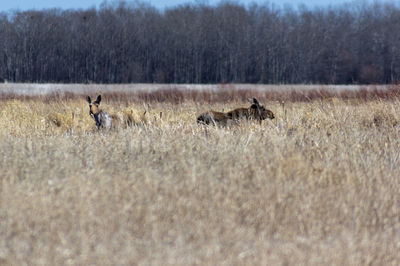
<point>197,43</point>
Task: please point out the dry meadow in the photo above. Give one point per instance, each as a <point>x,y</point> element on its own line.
<point>318,185</point>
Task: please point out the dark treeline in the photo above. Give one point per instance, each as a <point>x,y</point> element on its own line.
<point>130,42</point>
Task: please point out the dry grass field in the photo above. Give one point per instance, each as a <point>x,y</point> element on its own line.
<point>318,185</point>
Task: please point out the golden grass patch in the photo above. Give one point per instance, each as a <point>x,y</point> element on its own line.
<point>318,185</point>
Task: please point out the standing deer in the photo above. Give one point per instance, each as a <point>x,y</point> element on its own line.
<point>102,118</point>
<point>254,112</point>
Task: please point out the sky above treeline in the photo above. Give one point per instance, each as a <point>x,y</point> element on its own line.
<point>11,5</point>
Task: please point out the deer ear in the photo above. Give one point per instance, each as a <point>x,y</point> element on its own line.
<point>255,101</point>
<point>88,99</point>
<point>98,100</point>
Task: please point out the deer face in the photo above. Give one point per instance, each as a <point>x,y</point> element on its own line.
<point>94,106</point>
<point>259,112</point>
<point>95,111</point>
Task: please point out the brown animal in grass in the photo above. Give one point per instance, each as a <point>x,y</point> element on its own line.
<point>102,118</point>
<point>254,112</point>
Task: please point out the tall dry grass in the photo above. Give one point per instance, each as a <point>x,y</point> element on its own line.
<point>319,185</point>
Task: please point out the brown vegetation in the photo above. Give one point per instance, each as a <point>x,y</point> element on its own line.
<point>220,94</point>
<point>318,185</point>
